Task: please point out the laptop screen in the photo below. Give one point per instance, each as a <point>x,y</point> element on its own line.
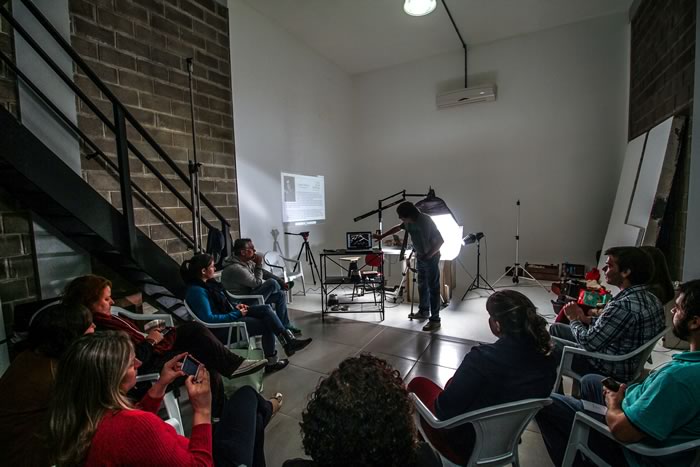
<point>358,240</point>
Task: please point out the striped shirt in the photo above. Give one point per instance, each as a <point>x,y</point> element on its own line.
<point>627,322</point>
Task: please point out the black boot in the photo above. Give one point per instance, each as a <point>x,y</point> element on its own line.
<point>290,344</point>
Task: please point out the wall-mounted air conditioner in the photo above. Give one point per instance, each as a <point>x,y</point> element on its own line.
<point>483,93</point>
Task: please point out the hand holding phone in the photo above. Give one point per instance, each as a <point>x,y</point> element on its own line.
<point>190,366</point>
<point>166,331</point>
<point>611,384</point>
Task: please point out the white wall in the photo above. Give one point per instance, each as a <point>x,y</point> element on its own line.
<point>554,139</point>
<point>291,114</point>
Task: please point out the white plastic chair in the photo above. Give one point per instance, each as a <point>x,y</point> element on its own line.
<point>578,441</point>
<point>172,407</point>
<point>280,267</point>
<point>570,350</point>
<point>236,330</point>
<point>498,429</point>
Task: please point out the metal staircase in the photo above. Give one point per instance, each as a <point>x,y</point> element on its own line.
<point>42,182</point>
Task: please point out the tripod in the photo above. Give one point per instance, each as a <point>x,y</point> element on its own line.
<point>308,255</point>
<point>516,267</point>
<point>476,283</point>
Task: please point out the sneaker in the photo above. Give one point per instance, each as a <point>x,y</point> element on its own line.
<point>294,329</point>
<point>248,367</point>
<point>419,316</point>
<point>277,366</point>
<point>432,326</point>
<point>276,402</point>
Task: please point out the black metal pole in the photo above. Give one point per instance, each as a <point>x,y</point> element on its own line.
<point>194,173</point>
<point>464,46</point>
<point>124,177</point>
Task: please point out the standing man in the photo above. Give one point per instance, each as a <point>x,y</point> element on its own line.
<point>244,275</point>
<point>426,241</point>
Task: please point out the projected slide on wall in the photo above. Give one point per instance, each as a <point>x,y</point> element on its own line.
<point>303,198</point>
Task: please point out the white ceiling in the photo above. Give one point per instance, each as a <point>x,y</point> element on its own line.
<point>364,35</point>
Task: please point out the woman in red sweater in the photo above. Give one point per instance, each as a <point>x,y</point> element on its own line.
<point>92,422</point>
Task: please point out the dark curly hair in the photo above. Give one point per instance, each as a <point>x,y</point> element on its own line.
<point>360,415</point>
<point>55,327</point>
<point>517,315</point>
<point>85,290</point>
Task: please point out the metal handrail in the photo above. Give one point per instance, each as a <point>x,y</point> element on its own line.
<point>97,151</point>
<point>113,99</point>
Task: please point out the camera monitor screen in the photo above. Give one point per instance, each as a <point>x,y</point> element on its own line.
<point>358,240</point>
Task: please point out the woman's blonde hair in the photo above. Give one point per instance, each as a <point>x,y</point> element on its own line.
<point>87,385</point>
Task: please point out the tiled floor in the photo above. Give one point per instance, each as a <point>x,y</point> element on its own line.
<point>396,339</point>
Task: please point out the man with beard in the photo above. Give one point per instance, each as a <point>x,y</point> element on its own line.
<point>627,322</point>
<point>663,410</point>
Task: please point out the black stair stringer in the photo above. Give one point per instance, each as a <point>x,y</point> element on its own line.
<point>42,182</point>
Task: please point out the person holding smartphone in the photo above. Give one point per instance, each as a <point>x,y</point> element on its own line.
<point>92,422</point>
<point>663,410</point>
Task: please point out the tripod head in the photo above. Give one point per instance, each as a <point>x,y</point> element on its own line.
<point>304,235</point>
<point>473,237</point>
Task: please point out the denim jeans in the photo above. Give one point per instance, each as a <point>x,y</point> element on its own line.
<point>262,321</point>
<point>274,294</point>
<point>239,437</point>
<point>429,286</point>
<point>555,422</point>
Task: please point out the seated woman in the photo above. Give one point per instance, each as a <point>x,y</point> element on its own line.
<point>26,386</point>
<point>361,415</point>
<point>92,422</point>
<point>157,347</point>
<point>207,298</point>
<point>519,365</point>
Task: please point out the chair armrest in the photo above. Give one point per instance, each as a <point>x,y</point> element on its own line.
<point>474,414</point>
<point>259,298</point>
<point>274,266</point>
<point>591,422</point>
<point>147,377</point>
<point>230,324</point>
<point>290,260</point>
<point>141,317</point>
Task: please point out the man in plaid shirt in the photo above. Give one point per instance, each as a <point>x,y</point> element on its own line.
<point>626,323</point>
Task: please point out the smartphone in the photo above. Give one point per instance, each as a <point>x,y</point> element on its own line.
<point>166,331</point>
<point>190,366</point>
<point>611,384</point>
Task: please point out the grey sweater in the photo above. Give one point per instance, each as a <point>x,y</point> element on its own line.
<point>242,277</point>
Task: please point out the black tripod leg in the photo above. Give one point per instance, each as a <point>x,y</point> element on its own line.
<point>312,262</point>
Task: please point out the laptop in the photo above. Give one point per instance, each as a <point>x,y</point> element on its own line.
<point>356,241</point>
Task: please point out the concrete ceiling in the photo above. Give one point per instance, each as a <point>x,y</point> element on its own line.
<point>364,35</point>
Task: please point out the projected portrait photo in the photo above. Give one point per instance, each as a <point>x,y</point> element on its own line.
<point>289,190</point>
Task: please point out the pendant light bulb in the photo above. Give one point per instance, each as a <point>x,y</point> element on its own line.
<point>419,7</point>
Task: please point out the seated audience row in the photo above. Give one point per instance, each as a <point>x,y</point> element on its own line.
<point>208,299</point>
<point>244,275</point>
<point>157,347</point>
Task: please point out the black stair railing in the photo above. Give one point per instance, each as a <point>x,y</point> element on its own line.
<point>118,128</point>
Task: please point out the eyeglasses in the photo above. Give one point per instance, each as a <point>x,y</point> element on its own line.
<point>250,248</point>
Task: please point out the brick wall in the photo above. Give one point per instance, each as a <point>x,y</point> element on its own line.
<point>661,84</point>
<point>139,49</point>
<point>17,273</point>
<point>662,62</point>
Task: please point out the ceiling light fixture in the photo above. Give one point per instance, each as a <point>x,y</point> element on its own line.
<point>419,7</point>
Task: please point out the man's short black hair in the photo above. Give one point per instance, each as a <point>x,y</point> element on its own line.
<point>240,244</point>
<point>407,210</point>
<point>691,297</point>
<point>634,259</point>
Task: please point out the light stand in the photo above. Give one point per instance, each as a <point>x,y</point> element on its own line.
<point>308,255</point>
<point>476,283</point>
<point>193,166</point>
<point>516,267</point>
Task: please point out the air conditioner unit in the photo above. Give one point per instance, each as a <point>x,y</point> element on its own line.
<point>483,93</point>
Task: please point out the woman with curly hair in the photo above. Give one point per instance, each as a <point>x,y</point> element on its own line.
<point>519,365</point>
<point>361,415</point>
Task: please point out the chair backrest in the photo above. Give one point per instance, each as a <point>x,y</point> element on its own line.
<point>498,428</point>
<point>499,432</point>
<point>373,260</point>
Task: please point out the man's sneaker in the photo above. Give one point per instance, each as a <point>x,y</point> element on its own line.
<point>248,367</point>
<point>432,326</point>
<point>418,315</point>
<point>294,329</point>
